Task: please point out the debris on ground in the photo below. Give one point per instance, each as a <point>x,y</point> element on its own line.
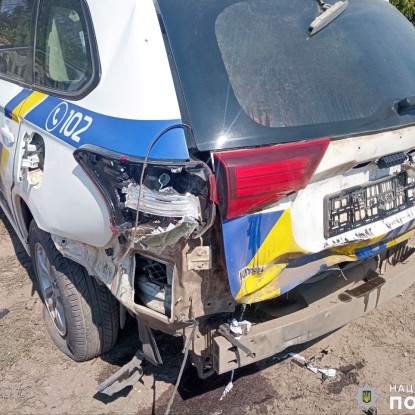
<point>309,363</point>
<point>228,387</point>
<point>240,328</point>
<point>327,373</point>
<point>4,312</point>
<point>128,375</point>
<point>347,369</point>
<point>320,355</point>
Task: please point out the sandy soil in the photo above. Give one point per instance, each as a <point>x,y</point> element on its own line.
<point>36,378</point>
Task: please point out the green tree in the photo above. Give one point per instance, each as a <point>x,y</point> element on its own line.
<point>407,7</point>
<point>15,18</point>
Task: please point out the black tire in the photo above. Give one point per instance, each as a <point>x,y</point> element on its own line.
<point>87,308</point>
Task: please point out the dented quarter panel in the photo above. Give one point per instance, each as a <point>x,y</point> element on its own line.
<point>343,154</point>
<point>281,247</point>
<point>196,292</point>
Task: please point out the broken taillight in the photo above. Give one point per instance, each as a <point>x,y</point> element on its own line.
<point>170,191</point>
<point>251,179</point>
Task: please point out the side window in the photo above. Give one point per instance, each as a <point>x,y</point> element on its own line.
<point>15,19</point>
<point>63,60</point>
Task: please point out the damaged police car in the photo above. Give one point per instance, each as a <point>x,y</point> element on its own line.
<point>237,172</point>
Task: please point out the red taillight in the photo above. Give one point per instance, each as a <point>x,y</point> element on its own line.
<point>249,180</point>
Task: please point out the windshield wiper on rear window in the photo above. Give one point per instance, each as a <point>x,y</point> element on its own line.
<point>405,104</point>
<point>331,11</point>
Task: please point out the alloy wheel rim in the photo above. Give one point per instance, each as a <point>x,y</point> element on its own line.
<point>50,290</point>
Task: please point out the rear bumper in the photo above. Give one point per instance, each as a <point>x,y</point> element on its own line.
<point>319,317</point>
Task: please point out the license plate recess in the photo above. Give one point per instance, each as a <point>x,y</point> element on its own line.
<point>359,206</point>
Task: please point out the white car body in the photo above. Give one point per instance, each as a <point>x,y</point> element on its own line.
<point>60,149</point>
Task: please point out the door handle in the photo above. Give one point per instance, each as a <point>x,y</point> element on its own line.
<point>8,137</point>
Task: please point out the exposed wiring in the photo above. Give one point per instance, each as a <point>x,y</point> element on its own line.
<point>179,378</point>
<point>156,138</point>
<point>337,269</point>
<point>153,142</point>
<point>229,386</point>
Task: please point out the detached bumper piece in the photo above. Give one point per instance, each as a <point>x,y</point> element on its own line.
<point>128,375</point>
<point>322,307</point>
<point>132,372</point>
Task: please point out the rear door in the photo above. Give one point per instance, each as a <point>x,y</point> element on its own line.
<point>15,35</point>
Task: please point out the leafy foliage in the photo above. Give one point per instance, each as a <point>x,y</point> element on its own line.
<point>407,7</point>
<point>15,18</point>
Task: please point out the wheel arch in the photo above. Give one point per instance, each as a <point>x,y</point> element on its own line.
<point>24,217</point>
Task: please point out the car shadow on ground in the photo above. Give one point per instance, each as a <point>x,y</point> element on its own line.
<point>19,250</point>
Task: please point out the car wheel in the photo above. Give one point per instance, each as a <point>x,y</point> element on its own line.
<point>81,315</point>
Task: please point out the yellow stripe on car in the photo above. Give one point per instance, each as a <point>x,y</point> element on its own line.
<point>28,104</point>
<point>278,249</point>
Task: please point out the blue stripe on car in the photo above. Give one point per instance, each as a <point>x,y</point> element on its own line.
<point>129,137</point>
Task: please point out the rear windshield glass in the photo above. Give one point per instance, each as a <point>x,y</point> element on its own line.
<point>251,75</point>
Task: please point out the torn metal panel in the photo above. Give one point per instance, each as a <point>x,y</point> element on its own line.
<point>95,260</point>
<point>188,294</point>
<point>201,292</point>
<point>32,160</point>
<point>160,238</point>
<point>118,276</point>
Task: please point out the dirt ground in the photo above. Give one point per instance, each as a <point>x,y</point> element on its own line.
<point>378,349</point>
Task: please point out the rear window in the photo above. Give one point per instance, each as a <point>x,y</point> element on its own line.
<point>283,78</point>
<point>251,75</point>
